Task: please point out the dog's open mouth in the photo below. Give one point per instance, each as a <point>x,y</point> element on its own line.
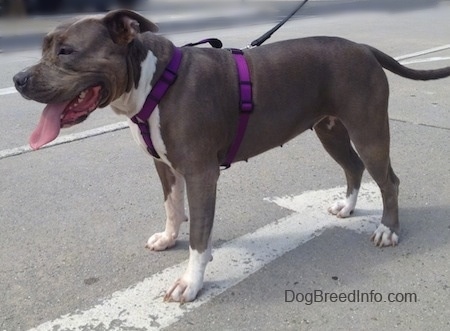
<point>60,115</point>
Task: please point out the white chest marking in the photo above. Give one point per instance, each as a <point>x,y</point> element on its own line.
<point>157,140</point>
<point>155,135</point>
<point>131,103</point>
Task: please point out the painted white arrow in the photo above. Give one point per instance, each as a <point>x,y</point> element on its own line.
<point>142,306</point>
<point>312,209</point>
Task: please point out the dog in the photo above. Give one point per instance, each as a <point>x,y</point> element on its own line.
<point>332,85</point>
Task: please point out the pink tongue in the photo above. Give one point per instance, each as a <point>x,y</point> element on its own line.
<point>49,125</point>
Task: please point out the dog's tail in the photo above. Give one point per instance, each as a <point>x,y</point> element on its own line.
<point>394,66</point>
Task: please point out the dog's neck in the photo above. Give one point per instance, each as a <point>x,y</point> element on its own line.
<point>130,103</point>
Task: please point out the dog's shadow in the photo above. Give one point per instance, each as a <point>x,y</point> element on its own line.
<point>337,251</point>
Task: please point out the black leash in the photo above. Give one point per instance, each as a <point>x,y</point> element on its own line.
<point>268,34</point>
<point>216,43</point>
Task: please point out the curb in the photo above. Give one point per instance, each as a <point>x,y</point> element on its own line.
<point>32,40</point>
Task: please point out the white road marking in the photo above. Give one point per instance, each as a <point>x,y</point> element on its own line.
<point>424,52</point>
<point>66,139</point>
<point>428,59</point>
<point>7,90</point>
<point>142,306</point>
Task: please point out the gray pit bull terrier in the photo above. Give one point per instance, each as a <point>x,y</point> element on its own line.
<point>333,85</point>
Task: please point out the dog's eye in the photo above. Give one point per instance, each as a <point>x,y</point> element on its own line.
<point>65,50</point>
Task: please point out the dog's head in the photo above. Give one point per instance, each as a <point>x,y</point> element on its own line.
<point>85,65</point>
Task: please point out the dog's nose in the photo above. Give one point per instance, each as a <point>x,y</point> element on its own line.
<point>21,80</point>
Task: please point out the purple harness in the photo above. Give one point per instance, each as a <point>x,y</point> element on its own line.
<point>168,78</point>
<point>156,94</point>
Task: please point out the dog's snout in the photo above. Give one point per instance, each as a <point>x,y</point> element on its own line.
<point>21,80</point>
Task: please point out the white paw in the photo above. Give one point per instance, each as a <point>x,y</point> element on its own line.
<point>184,290</point>
<point>341,209</point>
<point>187,287</point>
<point>344,208</point>
<point>161,241</point>
<point>383,236</point>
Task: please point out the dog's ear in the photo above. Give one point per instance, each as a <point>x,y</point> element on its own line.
<point>124,25</point>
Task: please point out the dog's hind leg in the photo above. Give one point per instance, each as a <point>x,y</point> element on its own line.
<point>372,143</point>
<point>173,186</point>
<point>201,191</point>
<point>335,140</point>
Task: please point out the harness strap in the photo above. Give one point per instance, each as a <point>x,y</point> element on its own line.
<point>158,91</point>
<point>168,78</point>
<point>246,104</point>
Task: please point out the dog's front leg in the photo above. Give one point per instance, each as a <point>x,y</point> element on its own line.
<point>173,187</point>
<point>201,192</point>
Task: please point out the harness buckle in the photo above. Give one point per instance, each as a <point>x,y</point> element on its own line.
<point>246,96</point>
<point>246,106</point>
<point>169,76</point>
<point>236,51</point>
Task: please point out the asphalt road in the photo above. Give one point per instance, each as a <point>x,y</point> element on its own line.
<point>75,217</point>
